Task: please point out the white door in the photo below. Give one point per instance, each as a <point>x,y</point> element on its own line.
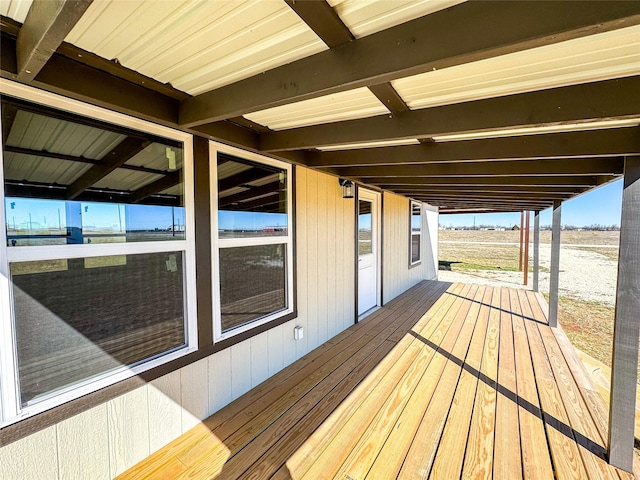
<point>368,250</point>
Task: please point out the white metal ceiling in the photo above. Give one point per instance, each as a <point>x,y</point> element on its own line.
<point>358,103</point>
<point>367,17</point>
<point>603,56</point>
<point>196,45</point>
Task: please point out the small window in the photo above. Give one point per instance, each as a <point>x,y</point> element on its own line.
<point>254,243</point>
<point>415,234</point>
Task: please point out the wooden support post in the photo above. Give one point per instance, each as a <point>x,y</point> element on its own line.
<point>521,238</point>
<point>536,251</point>
<point>555,263</point>
<point>626,330</point>
<point>526,249</point>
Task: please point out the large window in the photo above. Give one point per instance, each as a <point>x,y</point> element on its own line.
<point>97,249</point>
<point>415,232</point>
<point>253,257</point>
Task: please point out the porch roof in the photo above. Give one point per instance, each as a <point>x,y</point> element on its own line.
<point>470,106</point>
<point>445,380</point>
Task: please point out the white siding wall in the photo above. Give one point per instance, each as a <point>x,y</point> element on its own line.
<point>110,438</point>
<point>397,276</point>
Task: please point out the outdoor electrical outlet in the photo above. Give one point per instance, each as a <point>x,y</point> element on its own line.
<point>298,332</point>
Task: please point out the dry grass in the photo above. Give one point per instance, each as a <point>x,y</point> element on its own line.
<point>461,257</point>
<point>513,236</point>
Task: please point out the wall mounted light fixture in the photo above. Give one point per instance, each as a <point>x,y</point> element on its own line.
<point>347,188</point>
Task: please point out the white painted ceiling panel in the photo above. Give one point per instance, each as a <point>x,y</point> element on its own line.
<point>382,143</point>
<point>121,179</point>
<point>15,9</point>
<point>364,17</point>
<point>603,56</point>
<point>357,103</point>
<point>40,169</point>
<point>196,45</point>
<point>38,132</point>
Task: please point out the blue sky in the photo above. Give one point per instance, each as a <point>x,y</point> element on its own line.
<point>48,214</point>
<point>600,206</point>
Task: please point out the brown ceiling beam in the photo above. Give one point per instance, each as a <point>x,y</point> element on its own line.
<point>389,97</point>
<point>116,158</point>
<point>485,190</point>
<point>586,166</point>
<point>501,182</point>
<point>417,46</point>
<point>591,101</point>
<point>323,20</point>
<point>506,204</point>
<point>47,24</point>
<point>328,25</point>
<point>600,143</point>
<point>462,211</point>
<point>489,196</point>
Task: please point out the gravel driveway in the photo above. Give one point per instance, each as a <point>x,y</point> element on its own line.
<point>584,275</point>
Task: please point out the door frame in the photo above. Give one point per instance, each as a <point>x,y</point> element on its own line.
<point>378,205</point>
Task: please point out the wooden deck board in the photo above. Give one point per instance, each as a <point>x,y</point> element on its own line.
<point>446,381</point>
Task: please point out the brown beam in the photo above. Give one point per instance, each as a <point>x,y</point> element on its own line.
<point>471,189</point>
<point>116,158</point>
<point>600,143</point>
<point>413,47</point>
<point>323,20</point>
<point>493,194</point>
<point>588,166</point>
<point>46,26</point>
<point>389,97</point>
<point>591,101</point>
<point>536,181</point>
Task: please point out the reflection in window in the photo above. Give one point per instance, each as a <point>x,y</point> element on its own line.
<point>68,180</point>
<point>252,199</point>
<point>416,232</point>
<point>82,310</point>
<point>73,323</point>
<point>365,245</point>
<point>252,283</point>
<point>254,244</point>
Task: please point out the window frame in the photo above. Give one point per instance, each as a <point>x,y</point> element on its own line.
<point>412,234</point>
<point>11,409</point>
<point>217,243</point>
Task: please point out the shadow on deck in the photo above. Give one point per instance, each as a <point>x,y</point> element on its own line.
<point>445,381</point>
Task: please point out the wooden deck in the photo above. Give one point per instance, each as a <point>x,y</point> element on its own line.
<point>446,381</point>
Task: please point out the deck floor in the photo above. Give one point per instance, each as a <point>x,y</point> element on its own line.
<point>446,381</point>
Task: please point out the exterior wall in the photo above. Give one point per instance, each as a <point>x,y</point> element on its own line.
<point>398,276</point>
<point>110,438</point>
